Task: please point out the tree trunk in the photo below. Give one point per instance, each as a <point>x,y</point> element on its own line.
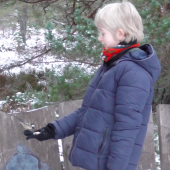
<point>23,19</point>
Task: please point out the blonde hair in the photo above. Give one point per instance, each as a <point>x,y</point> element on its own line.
<point>121,15</point>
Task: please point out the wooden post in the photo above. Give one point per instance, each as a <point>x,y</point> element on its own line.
<point>147,160</point>
<point>163,111</point>
<point>63,110</point>
<point>31,153</point>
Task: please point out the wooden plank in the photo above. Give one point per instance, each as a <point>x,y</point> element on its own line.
<point>63,110</point>
<point>163,111</point>
<point>32,153</point>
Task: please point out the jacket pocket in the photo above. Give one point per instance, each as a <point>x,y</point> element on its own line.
<point>102,144</point>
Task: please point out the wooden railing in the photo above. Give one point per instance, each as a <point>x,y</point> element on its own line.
<point>45,155</point>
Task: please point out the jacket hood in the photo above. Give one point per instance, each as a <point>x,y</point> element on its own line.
<point>146,57</point>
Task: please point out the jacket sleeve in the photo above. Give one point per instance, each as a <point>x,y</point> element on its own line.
<point>66,126</point>
<point>131,96</point>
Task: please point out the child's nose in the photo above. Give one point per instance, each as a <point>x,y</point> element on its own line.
<point>99,38</point>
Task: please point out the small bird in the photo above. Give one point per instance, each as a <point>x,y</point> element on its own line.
<point>27,126</point>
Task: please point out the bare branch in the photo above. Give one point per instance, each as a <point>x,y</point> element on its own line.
<point>37,1</point>
<point>2,1</point>
<point>65,61</point>
<point>24,62</point>
<point>94,12</point>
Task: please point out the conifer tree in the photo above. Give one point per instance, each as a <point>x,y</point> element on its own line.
<point>76,38</point>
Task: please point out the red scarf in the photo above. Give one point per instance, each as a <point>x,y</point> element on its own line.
<point>109,53</point>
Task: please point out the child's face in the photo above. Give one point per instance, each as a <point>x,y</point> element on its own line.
<point>107,39</point>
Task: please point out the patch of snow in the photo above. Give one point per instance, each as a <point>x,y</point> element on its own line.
<point>60,150</point>
<point>2,102</point>
<point>37,109</point>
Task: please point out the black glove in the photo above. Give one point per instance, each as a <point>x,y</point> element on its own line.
<point>46,133</point>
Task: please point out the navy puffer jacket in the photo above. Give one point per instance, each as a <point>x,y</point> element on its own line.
<point>110,127</point>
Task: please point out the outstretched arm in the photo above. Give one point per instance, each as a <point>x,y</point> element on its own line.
<point>66,126</point>
<point>56,130</point>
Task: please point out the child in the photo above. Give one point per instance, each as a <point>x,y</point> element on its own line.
<point>110,127</point>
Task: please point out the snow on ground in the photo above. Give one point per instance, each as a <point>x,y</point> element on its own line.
<point>9,54</point>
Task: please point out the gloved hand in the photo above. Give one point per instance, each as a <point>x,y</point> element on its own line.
<point>44,133</point>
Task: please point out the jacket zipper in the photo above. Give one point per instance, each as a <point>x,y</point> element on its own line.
<point>101,146</point>
<point>84,118</point>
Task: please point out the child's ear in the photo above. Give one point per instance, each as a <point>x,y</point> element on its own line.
<point>121,34</point>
